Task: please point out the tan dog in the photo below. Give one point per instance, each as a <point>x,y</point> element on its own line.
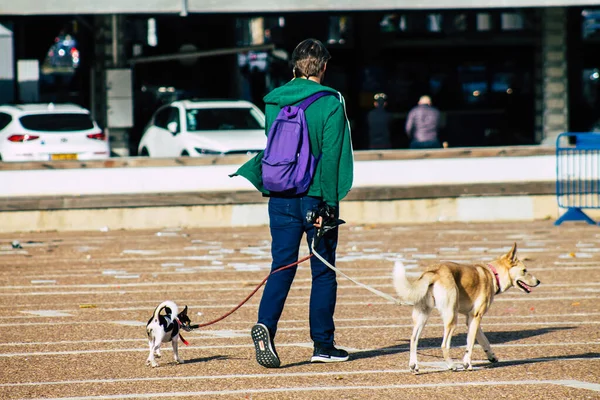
<point>458,288</point>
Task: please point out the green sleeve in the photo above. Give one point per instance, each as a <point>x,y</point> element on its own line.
<point>333,139</point>
<point>271,112</point>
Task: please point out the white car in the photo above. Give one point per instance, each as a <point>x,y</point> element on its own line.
<point>43,132</point>
<point>202,127</point>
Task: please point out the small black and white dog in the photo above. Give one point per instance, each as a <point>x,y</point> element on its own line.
<point>165,328</point>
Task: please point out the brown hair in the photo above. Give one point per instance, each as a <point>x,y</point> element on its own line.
<point>309,58</point>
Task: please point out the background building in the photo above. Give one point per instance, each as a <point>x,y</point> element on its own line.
<point>501,76</point>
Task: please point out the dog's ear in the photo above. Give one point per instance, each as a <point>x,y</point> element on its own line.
<point>512,254</point>
<point>184,312</point>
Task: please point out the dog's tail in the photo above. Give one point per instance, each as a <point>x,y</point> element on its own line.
<point>410,292</point>
<point>167,304</point>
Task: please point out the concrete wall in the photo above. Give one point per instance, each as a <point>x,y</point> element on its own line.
<point>461,209</point>
<point>419,172</point>
<point>213,178</point>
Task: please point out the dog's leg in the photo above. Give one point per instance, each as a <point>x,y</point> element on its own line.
<point>446,301</point>
<point>474,322</point>
<point>449,317</point>
<point>485,344</point>
<point>151,345</point>
<point>151,355</point>
<point>420,315</point>
<point>156,350</point>
<point>176,350</point>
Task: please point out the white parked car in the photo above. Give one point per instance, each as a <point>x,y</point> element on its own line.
<point>201,127</point>
<point>43,132</point>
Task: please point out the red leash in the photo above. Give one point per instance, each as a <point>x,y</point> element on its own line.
<point>250,295</point>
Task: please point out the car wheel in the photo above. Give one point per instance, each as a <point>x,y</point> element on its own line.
<point>144,152</point>
<point>185,153</point>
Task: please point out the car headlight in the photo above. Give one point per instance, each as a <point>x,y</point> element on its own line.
<point>204,151</point>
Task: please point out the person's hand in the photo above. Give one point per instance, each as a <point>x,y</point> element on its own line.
<point>445,144</point>
<point>318,223</point>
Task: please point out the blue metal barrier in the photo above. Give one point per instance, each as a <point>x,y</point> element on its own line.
<point>577,175</point>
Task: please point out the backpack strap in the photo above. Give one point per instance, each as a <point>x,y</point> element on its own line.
<point>312,98</point>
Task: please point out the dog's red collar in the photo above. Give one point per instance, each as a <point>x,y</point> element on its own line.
<point>496,275</point>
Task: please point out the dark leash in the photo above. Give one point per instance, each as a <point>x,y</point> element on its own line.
<point>250,295</point>
<point>329,223</point>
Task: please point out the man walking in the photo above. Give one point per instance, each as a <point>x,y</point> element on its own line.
<point>330,143</point>
<point>378,121</point>
<point>423,125</point>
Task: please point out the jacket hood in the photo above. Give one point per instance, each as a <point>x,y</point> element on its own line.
<point>295,91</point>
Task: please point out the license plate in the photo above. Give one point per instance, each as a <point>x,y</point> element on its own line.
<point>63,157</point>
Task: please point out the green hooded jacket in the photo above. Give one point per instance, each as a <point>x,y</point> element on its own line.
<point>329,133</point>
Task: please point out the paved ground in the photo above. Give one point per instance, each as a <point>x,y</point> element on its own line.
<point>73,307</point>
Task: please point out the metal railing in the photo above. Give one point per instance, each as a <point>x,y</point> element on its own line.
<point>577,175</point>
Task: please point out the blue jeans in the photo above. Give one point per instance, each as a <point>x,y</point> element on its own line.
<point>430,144</point>
<point>288,224</point>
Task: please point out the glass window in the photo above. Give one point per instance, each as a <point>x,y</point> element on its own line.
<point>222,119</point>
<point>502,82</point>
<point>434,22</point>
<point>162,117</point>
<point>152,37</point>
<point>512,21</point>
<point>5,119</point>
<point>484,22</point>
<point>57,122</point>
<point>473,83</point>
<point>591,24</point>
<point>339,30</point>
<point>435,83</point>
<point>174,117</point>
<point>391,23</point>
<point>460,23</point>
<point>591,86</point>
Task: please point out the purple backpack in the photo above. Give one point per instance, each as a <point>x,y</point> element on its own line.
<point>288,165</point>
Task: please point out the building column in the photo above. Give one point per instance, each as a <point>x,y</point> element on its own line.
<point>552,93</point>
<point>109,54</point>
<point>7,66</point>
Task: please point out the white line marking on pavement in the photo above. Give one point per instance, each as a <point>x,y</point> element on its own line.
<point>43,282</point>
<point>244,333</point>
<point>48,313</point>
<point>94,273</point>
<point>141,252</point>
<point>255,305</point>
<point>224,282</point>
<point>364,303</point>
<point>231,346</point>
<point>395,318</point>
<point>288,374</point>
<point>118,289</point>
<point>229,334</point>
<point>582,385</point>
<point>138,350</point>
<point>130,323</point>
<point>569,383</point>
<point>108,272</point>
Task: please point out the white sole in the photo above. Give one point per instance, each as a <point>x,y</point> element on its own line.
<point>319,359</point>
